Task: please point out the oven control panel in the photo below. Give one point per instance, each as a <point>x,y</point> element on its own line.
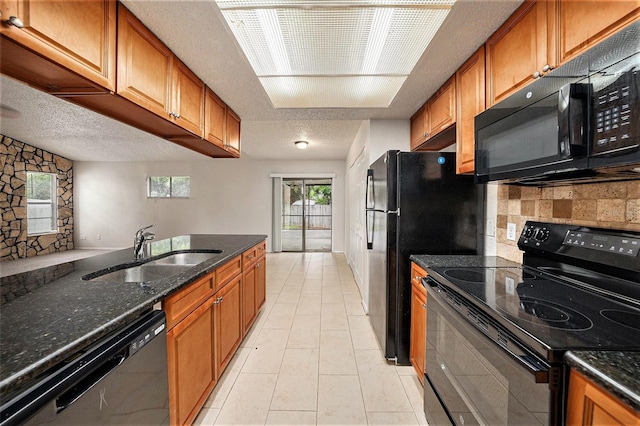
<point>608,248</point>
<point>609,243</point>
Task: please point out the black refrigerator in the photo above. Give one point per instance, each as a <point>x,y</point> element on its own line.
<point>416,204</point>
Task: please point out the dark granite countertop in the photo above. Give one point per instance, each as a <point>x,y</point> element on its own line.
<point>53,321</point>
<point>434,261</point>
<point>615,371</point>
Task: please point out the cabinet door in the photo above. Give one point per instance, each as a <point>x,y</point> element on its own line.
<point>585,23</point>
<point>232,143</point>
<point>419,124</point>
<point>79,36</point>
<point>523,46</point>
<point>215,120</point>
<point>187,108</point>
<point>248,298</point>
<point>418,321</point>
<point>228,322</point>
<point>190,355</point>
<point>442,108</point>
<point>470,92</point>
<point>261,283</point>
<point>144,65</point>
<point>588,404</point>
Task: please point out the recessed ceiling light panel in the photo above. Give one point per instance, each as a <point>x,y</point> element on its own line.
<point>302,42</point>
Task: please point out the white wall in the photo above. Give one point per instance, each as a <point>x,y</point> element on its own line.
<point>227,197</point>
<point>388,134</point>
<point>373,139</point>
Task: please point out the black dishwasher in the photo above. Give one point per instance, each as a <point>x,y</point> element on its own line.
<point>121,380</point>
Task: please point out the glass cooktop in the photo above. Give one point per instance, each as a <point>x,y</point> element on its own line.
<point>551,312</point>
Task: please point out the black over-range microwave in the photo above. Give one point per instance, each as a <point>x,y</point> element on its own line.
<point>579,123</point>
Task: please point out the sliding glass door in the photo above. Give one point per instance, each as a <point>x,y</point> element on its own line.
<point>306,215</point>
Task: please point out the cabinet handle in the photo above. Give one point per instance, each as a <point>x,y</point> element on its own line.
<point>174,115</point>
<point>547,68</point>
<point>536,74</point>
<point>424,305</point>
<point>417,278</point>
<point>250,256</point>
<point>15,21</point>
<point>218,300</point>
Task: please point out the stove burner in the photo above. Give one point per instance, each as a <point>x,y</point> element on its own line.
<point>625,318</point>
<point>545,314</point>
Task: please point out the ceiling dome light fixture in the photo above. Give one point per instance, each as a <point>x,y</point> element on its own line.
<point>301,144</point>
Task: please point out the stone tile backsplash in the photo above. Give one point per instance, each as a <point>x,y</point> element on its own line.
<point>16,158</point>
<point>604,205</point>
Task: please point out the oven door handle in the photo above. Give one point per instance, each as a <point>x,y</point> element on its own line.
<point>509,347</point>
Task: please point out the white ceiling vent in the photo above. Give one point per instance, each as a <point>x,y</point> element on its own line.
<point>333,54</point>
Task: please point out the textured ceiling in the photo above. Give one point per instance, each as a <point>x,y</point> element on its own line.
<point>197,33</point>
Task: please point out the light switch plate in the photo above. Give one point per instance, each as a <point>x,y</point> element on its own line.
<point>491,228</point>
<point>511,231</point>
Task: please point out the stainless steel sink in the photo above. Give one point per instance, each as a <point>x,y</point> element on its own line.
<point>153,270</point>
<point>142,273</point>
<point>183,259</point>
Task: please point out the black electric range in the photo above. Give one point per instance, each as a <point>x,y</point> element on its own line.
<point>577,288</point>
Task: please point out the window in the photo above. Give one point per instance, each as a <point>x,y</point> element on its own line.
<point>41,203</point>
<point>169,187</point>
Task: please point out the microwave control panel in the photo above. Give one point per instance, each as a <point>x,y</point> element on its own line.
<point>617,114</point>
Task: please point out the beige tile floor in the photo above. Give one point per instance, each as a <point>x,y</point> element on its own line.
<point>311,358</point>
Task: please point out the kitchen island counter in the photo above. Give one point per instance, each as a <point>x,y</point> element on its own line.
<point>52,322</point>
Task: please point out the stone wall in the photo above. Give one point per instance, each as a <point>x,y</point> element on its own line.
<point>613,205</point>
<point>16,159</point>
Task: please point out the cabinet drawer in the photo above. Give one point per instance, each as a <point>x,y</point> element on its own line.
<point>228,271</point>
<point>250,256</point>
<point>181,304</point>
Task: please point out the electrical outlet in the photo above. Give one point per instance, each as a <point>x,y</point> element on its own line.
<point>511,231</point>
<point>83,237</point>
<point>98,237</point>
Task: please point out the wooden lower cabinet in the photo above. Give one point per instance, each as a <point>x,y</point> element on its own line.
<point>248,298</point>
<point>589,404</point>
<point>261,283</point>
<point>192,373</point>
<point>418,331</point>
<point>228,322</point>
<point>206,324</point>
<point>253,284</point>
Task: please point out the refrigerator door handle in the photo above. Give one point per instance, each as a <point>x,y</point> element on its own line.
<point>369,230</point>
<point>369,199</point>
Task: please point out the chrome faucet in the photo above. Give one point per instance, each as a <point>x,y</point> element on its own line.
<point>140,238</point>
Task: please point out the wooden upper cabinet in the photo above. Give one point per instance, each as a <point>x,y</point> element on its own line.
<point>590,405</point>
<point>419,126</point>
<point>470,101</point>
<point>215,121</point>
<point>232,143</point>
<point>187,106</point>
<point>585,23</point>
<point>442,108</point>
<point>522,49</point>
<point>61,36</point>
<point>144,65</point>
<point>438,114</point>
